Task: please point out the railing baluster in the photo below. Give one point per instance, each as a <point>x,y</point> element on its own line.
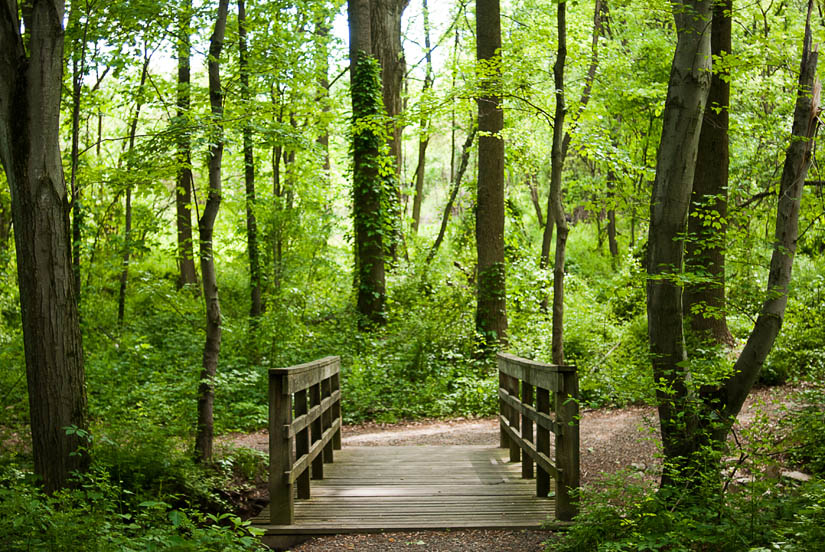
<point>315,400</point>
<point>542,442</point>
<point>302,442</point>
<point>326,418</point>
<point>513,416</point>
<point>335,382</point>
<point>567,444</point>
<point>526,429</point>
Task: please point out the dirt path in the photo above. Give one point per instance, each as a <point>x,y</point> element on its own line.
<point>611,439</point>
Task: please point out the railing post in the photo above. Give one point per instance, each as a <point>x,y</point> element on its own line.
<point>567,444</point>
<point>317,431</point>
<point>504,441</point>
<point>281,506</point>
<point>526,430</point>
<point>542,442</point>
<point>513,416</point>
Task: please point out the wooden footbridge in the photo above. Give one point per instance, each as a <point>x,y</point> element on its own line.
<point>373,489</point>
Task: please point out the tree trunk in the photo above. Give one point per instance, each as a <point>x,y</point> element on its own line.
<point>424,139</point>
<point>491,314</point>
<point>385,45</point>
<point>30,90</point>
<point>206,225</point>
<point>183,190</point>
<point>554,203</point>
<point>127,229</point>
<point>681,125</point>
<point>368,186</point>
<point>612,244</point>
<point>704,302</point>
<point>445,218</point>
<point>256,302</point>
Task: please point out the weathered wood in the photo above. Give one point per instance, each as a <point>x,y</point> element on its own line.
<point>302,462</point>
<point>326,416</point>
<point>301,443</point>
<point>280,452</point>
<point>567,446</point>
<point>543,442</point>
<point>542,460</point>
<point>303,376</point>
<point>300,423</point>
<point>539,418</point>
<point>422,488</point>
<point>546,376</point>
<point>335,383</point>
<point>526,427</point>
<point>317,431</point>
<point>513,417</point>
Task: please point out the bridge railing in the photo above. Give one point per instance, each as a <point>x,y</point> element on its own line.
<point>304,429</point>
<point>529,392</point>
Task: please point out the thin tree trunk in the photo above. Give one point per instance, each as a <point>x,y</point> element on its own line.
<point>704,303</point>
<point>534,198</point>
<point>206,226</point>
<point>555,201</point>
<point>127,229</point>
<point>183,190</point>
<point>256,302</point>
<point>30,89</point>
<point>424,126</point>
<point>613,245</point>
<point>448,208</point>
<point>491,314</point>
<point>78,70</point>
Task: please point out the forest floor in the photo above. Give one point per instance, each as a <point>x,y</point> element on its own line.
<point>611,440</point>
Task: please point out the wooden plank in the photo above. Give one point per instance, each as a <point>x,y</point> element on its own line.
<point>542,442</point>
<point>417,488</point>
<point>302,462</point>
<point>542,460</point>
<point>280,451</point>
<point>536,374</point>
<point>301,445</point>
<point>303,376</point>
<point>567,445</point>
<point>301,422</point>
<point>526,427</point>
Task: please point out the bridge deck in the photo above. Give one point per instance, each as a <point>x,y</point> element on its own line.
<point>371,489</point>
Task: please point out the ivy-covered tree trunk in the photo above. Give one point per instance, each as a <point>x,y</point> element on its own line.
<point>183,190</point>
<point>31,71</point>
<point>368,184</point>
<point>385,45</point>
<point>206,225</point>
<point>704,301</point>
<point>491,314</point>
<point>256,302</point>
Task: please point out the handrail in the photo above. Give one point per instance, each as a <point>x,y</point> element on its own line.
<point>305,439</point>
<point>525,388</point>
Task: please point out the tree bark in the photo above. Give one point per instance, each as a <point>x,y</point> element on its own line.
<point>30,88</point>
<point>183,189</point>
<point>704,302</point>
<point>491,313</point>
<point>368,186</point>
<point>676,161</point>
<point>424,126</point>
<point>554,203</point>
<point>206,226</point>
<point>385,45</point>
<point>256,302</point>
<point>612,244</point>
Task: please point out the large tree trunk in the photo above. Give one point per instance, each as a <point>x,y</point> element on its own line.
<point>183,193</point>
<point>385,45</point>
<point>704,302</point>
<point>206,226</point>
<point>256,302</point>
<point>30,90</point>
<point>491,313</point>
<point>682,121</point>
<point>424,126</point>
<point>368,186</point>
